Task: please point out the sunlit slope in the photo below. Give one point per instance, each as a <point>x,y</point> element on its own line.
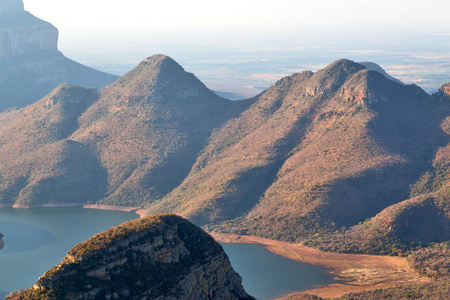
<point>316,153</point>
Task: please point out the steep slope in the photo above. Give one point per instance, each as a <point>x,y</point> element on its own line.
<point>148,127</point>
<point>315,154</point>
<point>37,161</point>
<point>422,220</point>
<point>159,257</point>
<point>30,64</point>
<point>128,143</point>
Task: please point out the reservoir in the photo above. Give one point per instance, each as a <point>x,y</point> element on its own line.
<point>37,239</point>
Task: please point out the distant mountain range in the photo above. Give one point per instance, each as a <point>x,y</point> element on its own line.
<point>344,159</point>
<point>30,64</point>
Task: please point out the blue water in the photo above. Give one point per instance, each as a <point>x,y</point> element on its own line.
<point>266,275</point>
<point>38,239</point>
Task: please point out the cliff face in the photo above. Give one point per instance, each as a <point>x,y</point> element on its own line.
<point>30,63</point>
<point>21,32</point>
<point>159,257</point>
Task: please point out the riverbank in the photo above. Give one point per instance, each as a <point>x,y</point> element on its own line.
<point>138,210</point>
<point>356,271</point>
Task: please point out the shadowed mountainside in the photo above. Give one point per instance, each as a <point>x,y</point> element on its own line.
<point>343,159</point>
<point>315,155</point>
<point>128,143</point>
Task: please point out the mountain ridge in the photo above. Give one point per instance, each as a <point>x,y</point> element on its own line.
<point>140,126</point>
<point>316,158</point>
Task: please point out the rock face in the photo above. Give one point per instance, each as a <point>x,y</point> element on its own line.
<point>22,33</point>
<point>159,257</point>
<point>30,63</point>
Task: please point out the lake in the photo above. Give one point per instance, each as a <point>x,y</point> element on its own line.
<point>38,239</point>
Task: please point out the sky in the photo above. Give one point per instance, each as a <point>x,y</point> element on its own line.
<point>246,45</point>
<point>238,21</point>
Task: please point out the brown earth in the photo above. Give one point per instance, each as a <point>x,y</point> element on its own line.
<point>357,272</point>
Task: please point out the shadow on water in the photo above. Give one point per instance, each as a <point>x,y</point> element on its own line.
<point>21,237</point>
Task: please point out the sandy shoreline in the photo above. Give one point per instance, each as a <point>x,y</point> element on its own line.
<point>359,272</point>
<point>138,210</point>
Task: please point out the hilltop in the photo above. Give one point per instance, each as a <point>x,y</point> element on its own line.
<point>318,154</point>
<point>344,159</point>
<point>30,64</point>
<point>158,257</point>
<point>126,144</point>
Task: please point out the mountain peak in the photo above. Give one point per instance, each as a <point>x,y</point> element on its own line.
<point>360,87</point>
<point>10,6</point>
<point>70,94</point>
<point>161,63</point>
<point>160,75</point>
<point>331,78</point>
<point>370,86</point>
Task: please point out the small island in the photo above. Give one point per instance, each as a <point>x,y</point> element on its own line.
<point>2,243</point>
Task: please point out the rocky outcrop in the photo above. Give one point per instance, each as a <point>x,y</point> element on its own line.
<point>444,92</point>
<point>30,64</point>
<point>158,257</point>
<point>2,243</point>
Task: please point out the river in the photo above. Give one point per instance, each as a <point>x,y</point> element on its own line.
<point>37,239</point>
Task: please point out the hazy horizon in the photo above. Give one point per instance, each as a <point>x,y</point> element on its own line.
<point>236,22</point>
<point>244,46</point>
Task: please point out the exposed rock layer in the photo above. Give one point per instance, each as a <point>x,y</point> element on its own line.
<point>159,257</point>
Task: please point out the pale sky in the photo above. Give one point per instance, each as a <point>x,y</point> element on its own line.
<point>237,20</point>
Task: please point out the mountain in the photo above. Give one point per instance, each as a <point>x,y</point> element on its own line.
<point>30,64</point>
<point>317,155</point>
<point>158,257</point>
<point>343,159</point>
<point>126,144</point>
<point>375,67</point>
